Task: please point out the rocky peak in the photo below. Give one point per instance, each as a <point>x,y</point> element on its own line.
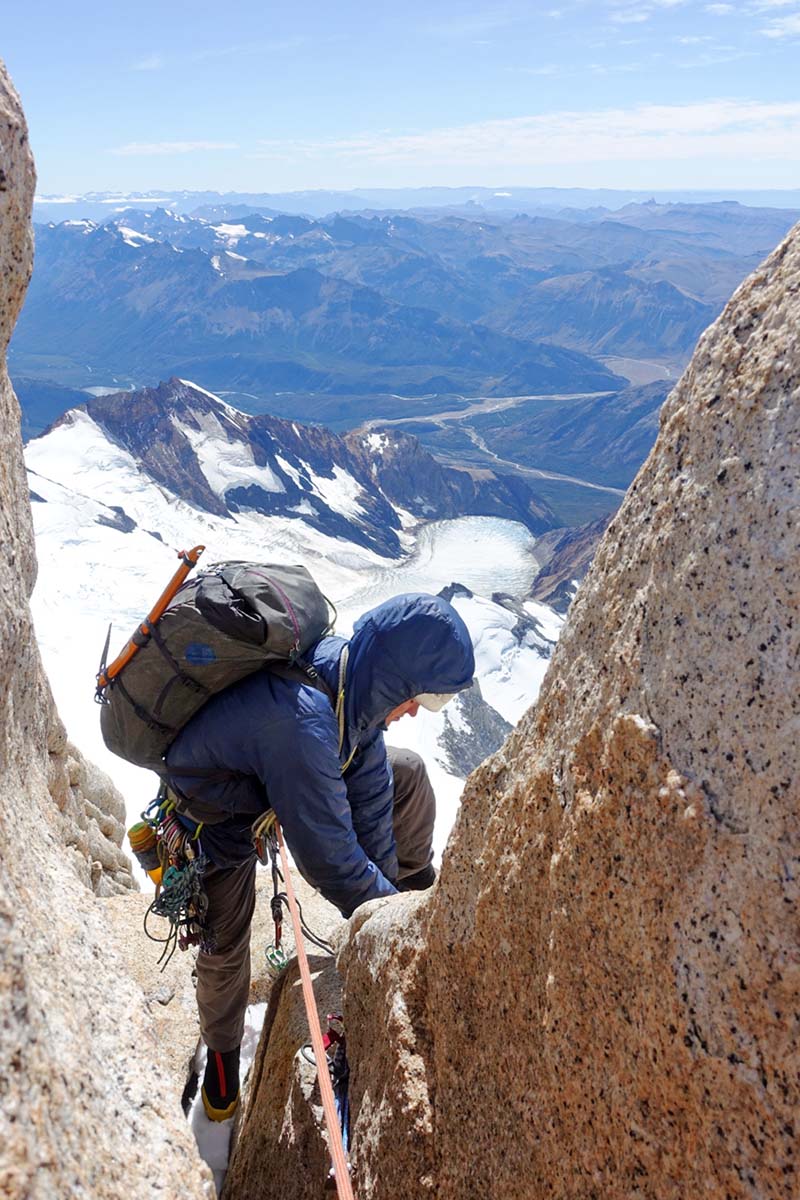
<point>565,556</point>
<point>359,487</point>
<point>410,477</point>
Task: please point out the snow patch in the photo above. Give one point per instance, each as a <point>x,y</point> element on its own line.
<point>549,621</point>
<point>230,233</point>
<point>340,493</point>
<point>228,408</point>
<point>226,464</point>
<point>510,673</point>
<point>377,442</point>
<point>291,471</point>
<point>131,238</point>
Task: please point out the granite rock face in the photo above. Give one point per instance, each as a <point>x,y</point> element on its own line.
<point>81,1113</point>
<point>92,812</point>
<point>599,998</point>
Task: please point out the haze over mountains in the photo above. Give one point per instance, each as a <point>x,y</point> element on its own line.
<point>120,301</point>
<point>320,202</point>
<point>367,304</point>
<point>502,339</point>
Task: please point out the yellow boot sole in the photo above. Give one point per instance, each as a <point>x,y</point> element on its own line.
<point>219,1114</point>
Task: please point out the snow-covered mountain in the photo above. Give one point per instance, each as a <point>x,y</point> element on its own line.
<point>362,487</point>
<point>121,484</point>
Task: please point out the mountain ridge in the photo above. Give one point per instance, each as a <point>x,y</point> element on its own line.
<point>357,487</point>
<point>157,308</point>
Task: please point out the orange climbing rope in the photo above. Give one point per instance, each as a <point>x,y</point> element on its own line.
<point>344,1187</point>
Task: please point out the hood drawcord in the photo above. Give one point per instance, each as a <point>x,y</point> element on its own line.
<point>340,707</point>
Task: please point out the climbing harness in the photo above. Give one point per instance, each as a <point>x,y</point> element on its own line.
<point>180,896</point>
<point>265,841</point>
<point>335,1127</point>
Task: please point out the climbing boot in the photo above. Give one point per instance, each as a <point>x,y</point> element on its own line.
<point>221,1084</point>
<point>420,881</point>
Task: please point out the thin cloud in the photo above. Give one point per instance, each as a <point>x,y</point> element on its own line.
<point>631,16</point>
<point>602,68</point>
<point>268,46</point>
<point>714,56</point>
<point>548,69</point>
<point>150,149</point>
<point>720,10</point>
<point>153,62</point>
<point>783,27</point>
<point>729,129</point>
<point>472,25</point>
<point>625,12</point>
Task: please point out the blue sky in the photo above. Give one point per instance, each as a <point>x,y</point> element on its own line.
<point>256,96</point>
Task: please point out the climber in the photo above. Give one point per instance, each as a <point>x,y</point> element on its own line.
<point>357,817</point>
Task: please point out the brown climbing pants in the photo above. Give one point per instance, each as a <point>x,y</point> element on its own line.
<point>223,978</point>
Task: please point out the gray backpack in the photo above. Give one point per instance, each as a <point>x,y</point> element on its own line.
<point>204,634</point>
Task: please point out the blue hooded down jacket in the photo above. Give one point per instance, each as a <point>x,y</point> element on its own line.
<point>281,739</point>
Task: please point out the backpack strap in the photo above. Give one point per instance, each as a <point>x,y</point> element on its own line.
<point>298,670</point>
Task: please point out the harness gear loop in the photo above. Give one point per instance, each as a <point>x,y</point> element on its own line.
<point>344,1187</point>
<point>180,896</point>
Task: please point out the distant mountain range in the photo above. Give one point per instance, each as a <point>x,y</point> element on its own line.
<point>113,298</point>
<point>261,303</point>
<point>609,311</point>
<point>322,202</point>
<point>493,336</point>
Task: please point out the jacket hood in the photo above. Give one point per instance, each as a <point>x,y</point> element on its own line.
<point>410,644</point>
